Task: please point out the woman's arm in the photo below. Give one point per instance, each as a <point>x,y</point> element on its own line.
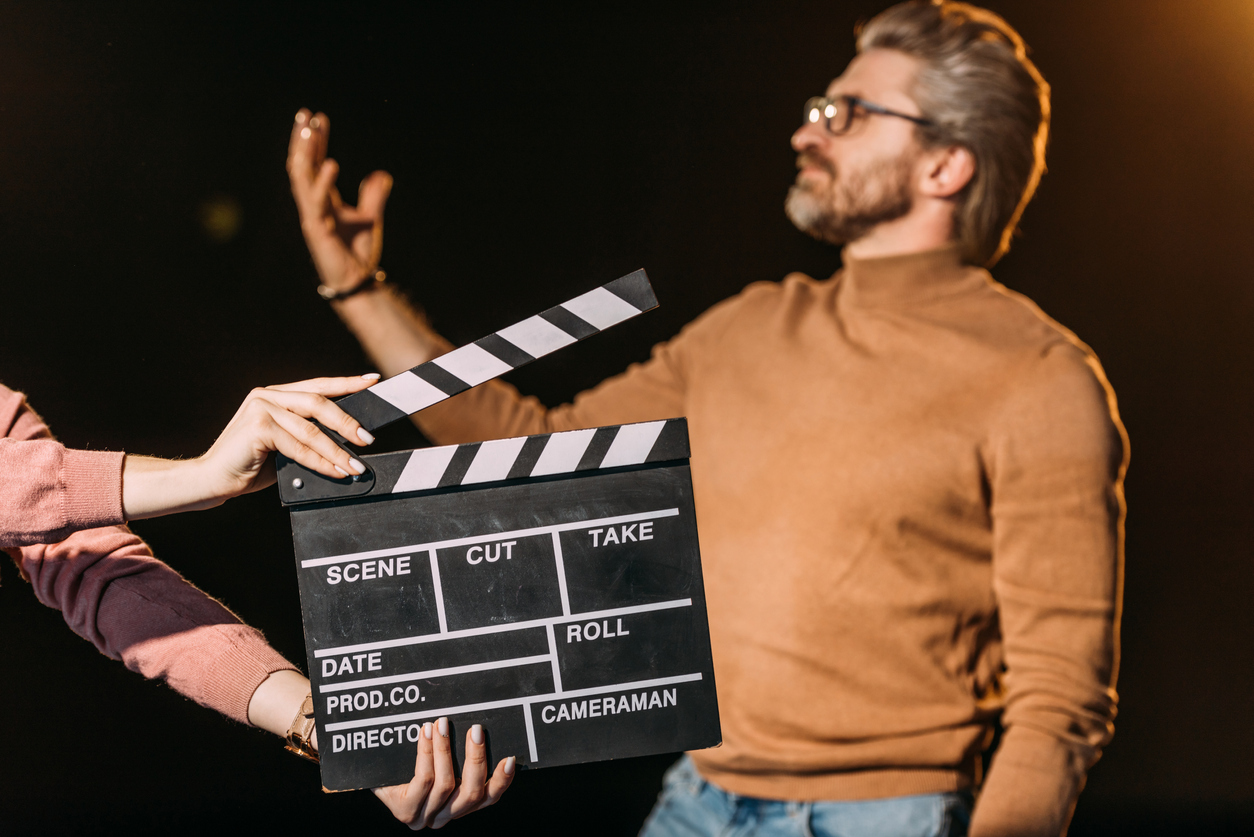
<point>270,419</point>
<point>49,491</point>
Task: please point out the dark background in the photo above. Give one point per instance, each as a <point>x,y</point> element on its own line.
<point>539,150</point>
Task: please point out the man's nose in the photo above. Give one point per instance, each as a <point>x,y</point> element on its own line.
<point>808,135</point>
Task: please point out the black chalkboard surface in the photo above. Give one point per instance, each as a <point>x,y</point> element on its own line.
<point>547,587</point>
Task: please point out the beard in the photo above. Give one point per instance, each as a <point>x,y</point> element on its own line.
<point>847,208</point>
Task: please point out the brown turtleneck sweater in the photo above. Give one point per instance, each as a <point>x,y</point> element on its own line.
<point>909,491</point>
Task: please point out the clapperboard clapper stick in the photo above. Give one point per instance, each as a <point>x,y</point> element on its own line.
<point>548,587</point>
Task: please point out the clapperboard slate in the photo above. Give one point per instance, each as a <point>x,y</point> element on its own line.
<point>548,587</point>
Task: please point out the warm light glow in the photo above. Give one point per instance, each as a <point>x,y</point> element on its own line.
<point>814,114</point>
<point>830,111</point>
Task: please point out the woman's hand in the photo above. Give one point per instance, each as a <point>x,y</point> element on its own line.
<point>270,419</point>
<point>434,796</point>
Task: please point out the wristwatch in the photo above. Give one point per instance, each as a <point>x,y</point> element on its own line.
<point>300,733</point>
<point>368,282</point>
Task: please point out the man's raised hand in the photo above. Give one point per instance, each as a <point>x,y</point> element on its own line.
<point>345,241</point>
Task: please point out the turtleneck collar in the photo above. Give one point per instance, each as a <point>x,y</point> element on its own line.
<point>908,279</point>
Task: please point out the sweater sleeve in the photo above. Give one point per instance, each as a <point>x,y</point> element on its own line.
<point>132,607</point>
<point>114,593</point>
<point>496,410</point>
<point>1058,459</point>
<point>49,491</point>
<point>648,391</point>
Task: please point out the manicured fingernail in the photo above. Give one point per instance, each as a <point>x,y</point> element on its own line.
<point>342,472</point>
<point>372,376</point>
<point>476,734</point>
<point>357,467</point>
<point>315,122</point>
<point>305,133</point>
<point>365,436</point>
<point>509,766</point>
<point>300,117</point>
<point>426,730</point>
<point>442,726</point>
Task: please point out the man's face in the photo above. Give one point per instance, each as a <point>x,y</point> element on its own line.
<point>849,184</point>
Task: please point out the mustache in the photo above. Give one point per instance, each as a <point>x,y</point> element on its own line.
<point>809,158</point>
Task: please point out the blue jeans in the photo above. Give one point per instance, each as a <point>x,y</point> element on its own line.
<point>689,806</point>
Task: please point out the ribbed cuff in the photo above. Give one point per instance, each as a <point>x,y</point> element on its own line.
<point>240,668</point>
<point>1031,788</point>
<point>93,488</point>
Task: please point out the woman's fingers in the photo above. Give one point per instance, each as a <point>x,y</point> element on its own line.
<point>424,778</point>
<point>292,408</point>
<point>303,442</point>
<point>501,779</point>
<point>279,419</point>
<point>473,788</point>
<point>434,796</point>
<point>309,399</point>
<point>406,801</point>
<point>329,386</point>
<point>445,782</point>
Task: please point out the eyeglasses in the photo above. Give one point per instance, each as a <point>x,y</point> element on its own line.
<point>837,114</point>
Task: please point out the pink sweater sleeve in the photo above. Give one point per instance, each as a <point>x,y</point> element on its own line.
<point>114,593</point>
<point>134,608</point>
<point>49,491</point>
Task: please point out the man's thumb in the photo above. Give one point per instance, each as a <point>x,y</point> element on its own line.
<point>373,194</point>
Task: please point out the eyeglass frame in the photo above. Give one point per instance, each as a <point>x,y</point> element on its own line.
<point>821,103</point>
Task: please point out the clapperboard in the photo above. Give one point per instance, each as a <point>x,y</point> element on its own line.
<point>548,587</point>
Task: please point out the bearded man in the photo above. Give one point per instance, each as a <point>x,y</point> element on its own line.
<point>909,479</point>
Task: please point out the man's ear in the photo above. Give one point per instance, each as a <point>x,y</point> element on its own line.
<point>946,171</point>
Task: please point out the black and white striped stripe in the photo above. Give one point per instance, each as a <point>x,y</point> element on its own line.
<point>547,454</point>
<point>459,370</point>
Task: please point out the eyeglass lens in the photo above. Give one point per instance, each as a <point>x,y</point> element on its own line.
<point>834,113</point>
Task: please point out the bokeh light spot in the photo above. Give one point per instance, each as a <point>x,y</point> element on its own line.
<point>221,218</point>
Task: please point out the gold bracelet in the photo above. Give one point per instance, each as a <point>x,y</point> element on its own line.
<point>300,733</point>
<point>369,282</point>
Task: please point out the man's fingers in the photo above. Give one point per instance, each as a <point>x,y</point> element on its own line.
<point>373,195</point>
<point>297,145</point>
<point>320,128</point>
<point>322,191</point>
<point>445,781</point>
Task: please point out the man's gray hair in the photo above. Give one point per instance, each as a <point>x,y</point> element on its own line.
<point>982,92</point>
